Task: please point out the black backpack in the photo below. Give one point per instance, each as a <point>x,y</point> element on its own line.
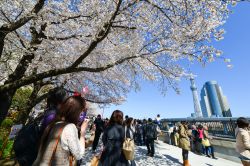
<point>151,132</point>
<point>27,141</point>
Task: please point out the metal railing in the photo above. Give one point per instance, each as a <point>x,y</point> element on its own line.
<point>219,127</point>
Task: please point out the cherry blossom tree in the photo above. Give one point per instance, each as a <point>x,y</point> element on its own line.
<point>108,46</point>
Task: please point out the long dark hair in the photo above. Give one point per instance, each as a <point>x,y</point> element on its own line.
<point>129,122</point>
<point>69,113</point>
<point>71,109</point>
<point>56,96</point>
<point>116,118</point>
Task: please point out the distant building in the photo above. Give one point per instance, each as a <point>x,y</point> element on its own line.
<point>213,102</point>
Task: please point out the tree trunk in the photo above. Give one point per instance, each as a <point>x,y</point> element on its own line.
<point>5,103</point>
<point>29,105</point>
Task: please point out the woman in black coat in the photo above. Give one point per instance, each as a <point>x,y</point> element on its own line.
<point>113,138</point>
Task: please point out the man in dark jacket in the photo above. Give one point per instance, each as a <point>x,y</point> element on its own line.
<point>99,124</point>
<point>151,135</point>
<point>144,124</point>
<point>139,133</point>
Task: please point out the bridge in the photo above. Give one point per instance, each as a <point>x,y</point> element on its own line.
<point>218,127</point>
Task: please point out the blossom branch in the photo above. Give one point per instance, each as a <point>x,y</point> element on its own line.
<point>100,36</point>
<point>7,28</point>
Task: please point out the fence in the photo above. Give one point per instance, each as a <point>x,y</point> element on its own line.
<point>219,127</point>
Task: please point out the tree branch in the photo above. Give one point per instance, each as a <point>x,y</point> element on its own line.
<point>7,28</point>
<point>123,27</point>
<point>66,37</point>
<point>161,10</point>
<point>29,56</point>
<point>33,78</point>
<point>100,36</point>
<point>70,18</point>
<point>19,37</point>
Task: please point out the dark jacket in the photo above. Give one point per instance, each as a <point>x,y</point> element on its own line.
<point>99,123</point>
<point>112,154</point>
<point>139,129</point>
<point>151,131</point>
<point>49,116</point>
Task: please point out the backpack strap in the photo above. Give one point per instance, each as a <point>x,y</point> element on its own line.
<point>55,145</point>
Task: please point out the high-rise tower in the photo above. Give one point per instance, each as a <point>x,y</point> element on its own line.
<point>197,107</point>
<point>213,102</point>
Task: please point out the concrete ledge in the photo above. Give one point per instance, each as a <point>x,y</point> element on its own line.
<point>223,143</point>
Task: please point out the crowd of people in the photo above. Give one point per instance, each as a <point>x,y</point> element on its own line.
<point>191,138</point>
<point>61,138</point>
<point>196,137</point>
<point>116,130</point>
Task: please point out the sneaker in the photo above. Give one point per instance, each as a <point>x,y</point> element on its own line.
<point>151,155</point>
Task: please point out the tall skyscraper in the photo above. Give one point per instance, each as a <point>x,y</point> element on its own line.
<point>213,102</point>
<point>197,107</point>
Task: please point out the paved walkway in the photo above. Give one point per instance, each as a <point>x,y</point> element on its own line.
<point>167,155</point>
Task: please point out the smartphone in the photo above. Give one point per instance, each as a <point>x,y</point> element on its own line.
<point>82,117</point>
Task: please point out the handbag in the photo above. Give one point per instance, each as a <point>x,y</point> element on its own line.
<point>205,142</point>
<point>128,147</point>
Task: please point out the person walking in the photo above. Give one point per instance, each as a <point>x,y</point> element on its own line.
<point>144,124</point>
<point>184,142</point>
<point>200,131</point>
<point>159,132</point>
<point>139,133</point>
<point>99,125</point>
<point>242,134</point>
<point>175,137</point>
<point>130,133</point>
<point>113,138</point>
<point>207,143</point>
<point>195,136</point>
<point>158,120</point>
<point>150,136</point>
<point>60,142</point>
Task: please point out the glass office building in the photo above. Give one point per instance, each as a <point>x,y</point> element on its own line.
<point>213,102</point>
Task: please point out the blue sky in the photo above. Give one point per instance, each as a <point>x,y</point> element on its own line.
<point>235,82</point>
